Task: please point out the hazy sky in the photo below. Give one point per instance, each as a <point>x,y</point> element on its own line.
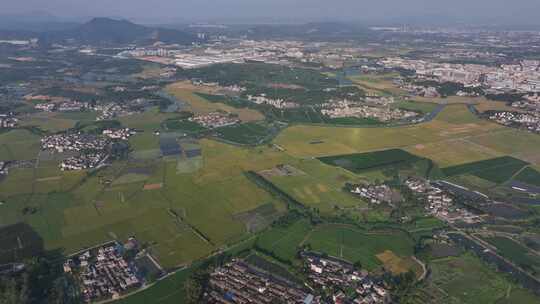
<point>508,11</point>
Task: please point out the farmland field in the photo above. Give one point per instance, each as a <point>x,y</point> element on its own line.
<point>497,170</point>
<point>423,107</point>
<point>18,145</point>
<point>298,140</point>
<point>530,176</point>
<point>183,126</point>
<point>462,152</point>
<point>358,246</point>
<point>246,133</point>
<point>320,187</point>
<point>515,252</point>
<point>466,279</point>
<point>358,162</point>
<point>336,240</point>
<point>84,211</point>
<point>283,242</point>
<point>200,105</point>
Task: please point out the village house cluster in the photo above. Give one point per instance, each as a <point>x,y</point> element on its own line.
<point>276,103</point>
<point>529,121</point>
<point>231,88</point>
<point>8,121</point>
<point>440,202</point>
<point>521,77</point>
<point>337,275</point>
<point>65,106</point>
<point>345,108</point>
<point>123,134</point>
<point>215,120</point>
<point>102,273</point>
<point>83,161</point>
<point>530,102</point>
<point>4,169</point>
<point>375,194</point>
<point>90,148</point>
<point>112,110</point>
<point>73,142</point>
<point>238,282</point>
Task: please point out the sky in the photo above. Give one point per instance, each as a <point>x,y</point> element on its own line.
<point>164,11</point>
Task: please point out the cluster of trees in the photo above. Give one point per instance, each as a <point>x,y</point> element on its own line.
<point>41,282</point>
<point>260,74</point>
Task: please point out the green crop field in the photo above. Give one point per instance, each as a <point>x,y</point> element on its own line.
<point>84,211</point>
<point>423,107</point>
<point>18,145</point>
<point>283,242</point>
<point>363,161</point>
<point>336,240</point>
<point>299,140</point>
<point>529,176</point>
<point>183,126</point>
<point>359,246</point>
<point>516,253</point>
<point>320,186</point>
<point>497,170</point>
<point>246,133</point>
<point>466,279</point>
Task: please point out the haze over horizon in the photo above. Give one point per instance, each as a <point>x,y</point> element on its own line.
<point>498,12</point>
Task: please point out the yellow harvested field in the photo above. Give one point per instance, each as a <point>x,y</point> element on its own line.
<point>453,152</point>
<point>397,265</point>
<point>46,179</point>
<point>300,140</point>
<point>153,186</point>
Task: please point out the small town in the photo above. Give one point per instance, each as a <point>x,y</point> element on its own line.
<point>519,77</point>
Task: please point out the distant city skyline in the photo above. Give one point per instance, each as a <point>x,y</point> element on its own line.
<point>252,11</point>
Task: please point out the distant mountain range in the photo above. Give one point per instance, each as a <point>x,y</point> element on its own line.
<point>106,31</point>
<point>324,31</point>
